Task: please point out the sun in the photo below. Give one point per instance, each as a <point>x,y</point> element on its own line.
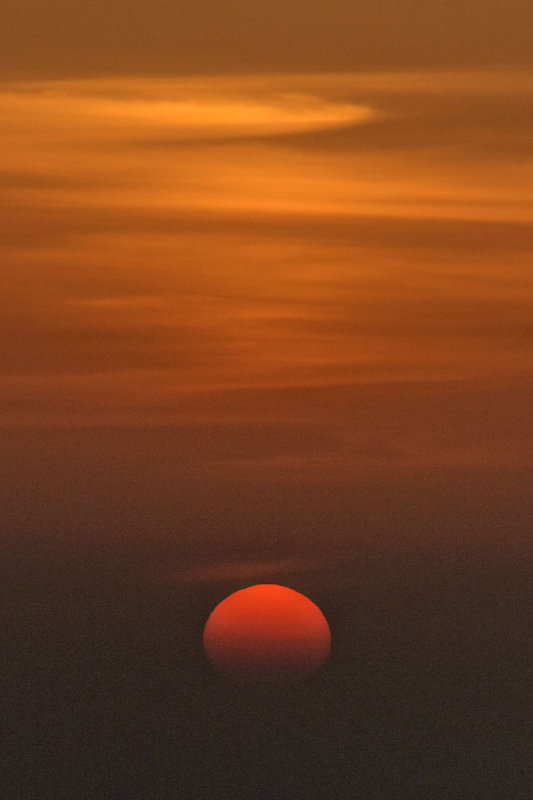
<point>267,633</point>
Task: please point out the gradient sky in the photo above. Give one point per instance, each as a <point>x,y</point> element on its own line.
<point>266,313</point>
<point>304,286</point>
<point>271,253</point>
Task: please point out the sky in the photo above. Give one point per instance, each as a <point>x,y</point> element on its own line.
<point>266,316</point>
<point>61,38</point>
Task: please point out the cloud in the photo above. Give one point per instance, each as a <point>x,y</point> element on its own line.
<point>254,274</point>
<point>337,145</point>
<point>225,571</point>
<point>101,112</point>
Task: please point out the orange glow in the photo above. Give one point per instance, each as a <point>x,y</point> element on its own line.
<point>267,633</point>
<point>300,275</point>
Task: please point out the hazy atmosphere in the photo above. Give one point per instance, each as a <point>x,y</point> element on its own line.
<point>65,38</point>
<point>266,301</point>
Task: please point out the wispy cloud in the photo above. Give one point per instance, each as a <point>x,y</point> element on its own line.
<point>248,260</point>
<point>226,571</point>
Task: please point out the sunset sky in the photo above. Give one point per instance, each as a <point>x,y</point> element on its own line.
<point>266,315</point>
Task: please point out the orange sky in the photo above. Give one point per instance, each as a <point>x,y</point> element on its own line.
<point>266,316</point>
<point>65,38</point>
<point>305,277</point>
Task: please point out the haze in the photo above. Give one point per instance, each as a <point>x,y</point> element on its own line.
<point>266,315</point>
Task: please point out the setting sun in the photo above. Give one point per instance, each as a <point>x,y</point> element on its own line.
<point>267,633</point>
